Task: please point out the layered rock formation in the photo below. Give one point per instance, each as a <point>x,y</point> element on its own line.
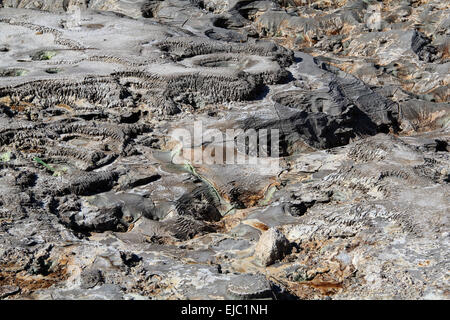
<point>101,201</point>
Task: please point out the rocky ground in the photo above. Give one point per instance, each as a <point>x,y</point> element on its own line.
<point>99,201</point>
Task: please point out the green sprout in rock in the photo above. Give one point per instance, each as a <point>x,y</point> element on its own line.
<point>5,156</point>
<point>43,55</point>
<point>56,172</point>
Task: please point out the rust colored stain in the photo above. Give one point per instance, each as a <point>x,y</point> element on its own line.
<point>250,199</point>
<point>30,283</point>
<point>35,150</point>
<point>306,289</point>
<point>424,263</point>
<point>64,106</point>
<point>260,226</point>
<point>325,287</point>
<point>230,221</point>
<point>446,51</point>
<point>18,108</point>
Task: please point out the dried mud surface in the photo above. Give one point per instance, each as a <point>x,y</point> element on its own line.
<point>98,201</point>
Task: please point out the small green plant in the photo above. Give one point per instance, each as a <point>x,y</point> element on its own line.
<point>302,276</point>
<point>268,196</point>
<point>190,168</point>
<point>19,72</point>
<point>56,173</point>
<point>13,72</point>
<point>44,55</point>
<point>5,156</point>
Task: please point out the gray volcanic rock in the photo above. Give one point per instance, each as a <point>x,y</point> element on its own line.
<point>364,38</point>
<point>129,8</point>
<point>250,287</point>
<point>322,129</point>
<point>271,246</point>
<point>340,109</point>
